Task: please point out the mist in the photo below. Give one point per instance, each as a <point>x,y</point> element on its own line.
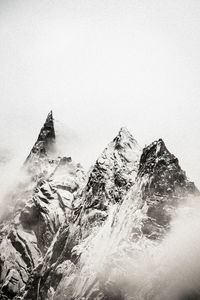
<point>15,181</point>
<point>167,269</point>
<point>101,65</point>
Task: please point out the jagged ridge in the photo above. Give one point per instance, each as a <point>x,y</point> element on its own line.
<point>126,203</point>
<point>144,211</point>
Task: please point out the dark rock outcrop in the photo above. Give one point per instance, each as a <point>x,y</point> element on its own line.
<point>163,175</point>
<point>41,162</point>
<point>45,140</point>
<point>163,185</point>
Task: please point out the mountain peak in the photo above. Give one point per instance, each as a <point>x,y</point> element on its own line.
<point>158,147</point>
<point>64,229</point>
<point>49,117</point>
<point>125,138</point>
<point>46,138</point>
<point>124,132</point>
<point>165,176</point>
<point>152,152</point>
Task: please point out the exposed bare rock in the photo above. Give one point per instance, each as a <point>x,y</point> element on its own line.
<point>39,162</point>
<point>163,185</point>
<point>45,139</point>
<point>162,173</point>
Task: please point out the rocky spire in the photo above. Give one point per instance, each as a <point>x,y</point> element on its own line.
<point>125,138</point>
<point>114,171</point>
<point>45,140</point>
<point>162,172</point>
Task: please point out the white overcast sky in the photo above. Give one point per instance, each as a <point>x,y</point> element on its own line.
<point>100,65</point>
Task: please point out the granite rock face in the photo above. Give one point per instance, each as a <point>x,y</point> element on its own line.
<point>78,237</point>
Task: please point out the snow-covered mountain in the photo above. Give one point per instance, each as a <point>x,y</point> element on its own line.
<point>72,236</point>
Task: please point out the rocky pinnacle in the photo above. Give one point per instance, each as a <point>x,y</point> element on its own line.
<point>45,140</point>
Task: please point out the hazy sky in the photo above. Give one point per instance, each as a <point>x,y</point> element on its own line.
<point>100,65</point>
